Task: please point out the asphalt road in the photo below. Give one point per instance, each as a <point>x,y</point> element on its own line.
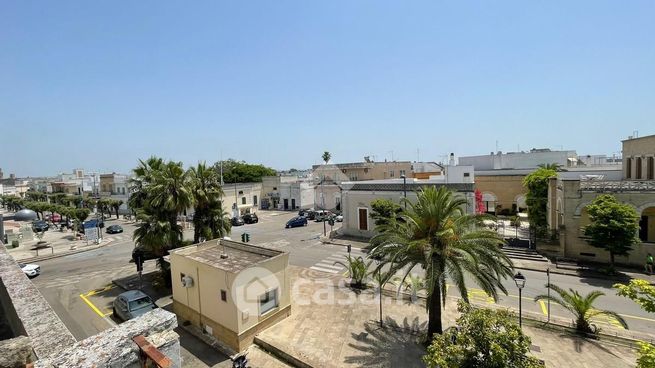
<point>65,280</point>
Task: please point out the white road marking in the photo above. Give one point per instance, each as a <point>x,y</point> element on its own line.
<point>323,269</point>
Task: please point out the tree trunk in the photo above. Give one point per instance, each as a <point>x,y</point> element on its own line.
<point>612,259</point>
<point>434,314</point>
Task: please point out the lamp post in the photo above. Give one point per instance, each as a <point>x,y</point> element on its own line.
<point>404,189</point>
<point>519,279</point>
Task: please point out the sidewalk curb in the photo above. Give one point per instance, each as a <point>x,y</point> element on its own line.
<point>281,354</point>
<point>64,254</point>
<point>557,272</point>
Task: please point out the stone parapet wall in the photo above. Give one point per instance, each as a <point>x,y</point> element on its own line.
<point>28,313</point>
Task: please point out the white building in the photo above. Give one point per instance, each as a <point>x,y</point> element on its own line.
<point>521,160</point>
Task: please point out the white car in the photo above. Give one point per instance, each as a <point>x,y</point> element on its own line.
<point>339,218</point>
<point>31,270</point>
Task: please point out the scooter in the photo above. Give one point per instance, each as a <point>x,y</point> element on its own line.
<point>240,361</point>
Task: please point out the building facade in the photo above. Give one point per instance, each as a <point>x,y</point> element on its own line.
<point>241,198</point>
<point>231,290</point>
<point>569,196</point>
<point>117,187</point>
<point>357,198</point>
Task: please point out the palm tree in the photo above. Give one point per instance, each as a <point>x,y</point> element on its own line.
<point>580,306</point>
<point>208,219</point>
<point>438,235</point>
<point>357,270</point>
<point>169,194</point>
<point>143,176</point>
<point>413,284</point>
<point>326,157</point>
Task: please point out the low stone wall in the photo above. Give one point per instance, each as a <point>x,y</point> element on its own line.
<point>115,348</point>
<point>28,313</point>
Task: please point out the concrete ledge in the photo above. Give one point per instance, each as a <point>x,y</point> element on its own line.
<point>28,312</point>
<point>62,254</point>
<point>281,354</point>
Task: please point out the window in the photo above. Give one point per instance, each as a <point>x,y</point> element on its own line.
<point>268,301</point>
<point>240,192</point>
<point>140,303</point>
<point>274,188</point>
<point>353,177</point>
<point>391,173</point>
<point>638,168</point>
<point>123,190</point>
<point>254,200</point>
<point>402,172</point>
<point>243,200</point>
<point>224,295</point>
<point>466,175</point>
<point>650,168</point>
<point>628,168</point>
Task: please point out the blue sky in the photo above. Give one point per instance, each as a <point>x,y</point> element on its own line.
<point>99,84</point>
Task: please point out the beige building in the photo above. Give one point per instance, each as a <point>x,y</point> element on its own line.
<point>231,290</point>
<point>502,190</point>
<point>241,198</point>
<point>360,171</point>
<point>357,198</point>
<point>569,196</point>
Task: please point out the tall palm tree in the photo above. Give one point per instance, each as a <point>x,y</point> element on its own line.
<point>582,307</point>
<point>169,194</point>
<point>209,219</point>
<point>552,166</point>
<point>143,176</point>
<point>437,234</point>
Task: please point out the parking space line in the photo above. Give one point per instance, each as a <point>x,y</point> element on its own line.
<point>94,292</point>
<point>543,307</point>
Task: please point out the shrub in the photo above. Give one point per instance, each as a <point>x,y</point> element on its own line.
<point>14,243</point>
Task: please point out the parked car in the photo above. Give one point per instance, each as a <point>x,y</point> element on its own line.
<point>296,222</point>
<point>31,270</point>
<point>40,226</point>
<point>323,215</point>
<point>114,229</point>
<point>132,304</point>
<point>339,218</point>
<point>250,218</point>
<point>237,221</point>
<point>55,217</point>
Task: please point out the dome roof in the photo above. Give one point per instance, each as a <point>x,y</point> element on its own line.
<point>25,215</point>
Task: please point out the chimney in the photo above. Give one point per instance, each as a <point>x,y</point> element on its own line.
<point>451,161</point>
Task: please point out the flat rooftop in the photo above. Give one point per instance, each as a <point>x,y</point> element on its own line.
<point>239,255</point>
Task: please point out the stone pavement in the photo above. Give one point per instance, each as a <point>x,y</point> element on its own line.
<point>332,326</point>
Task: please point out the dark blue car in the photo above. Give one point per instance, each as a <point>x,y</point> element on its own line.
<point>297,222</point>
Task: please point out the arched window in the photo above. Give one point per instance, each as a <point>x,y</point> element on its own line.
<point>638,169</point>
<point>628,168</point>
<point>650,168</point>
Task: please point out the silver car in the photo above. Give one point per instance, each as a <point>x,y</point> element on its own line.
<point>132,304</point>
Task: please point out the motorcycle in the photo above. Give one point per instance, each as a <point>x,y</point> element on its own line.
<point>240,361</point>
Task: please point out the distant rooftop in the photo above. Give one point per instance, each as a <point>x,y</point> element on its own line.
<point>239,256</point>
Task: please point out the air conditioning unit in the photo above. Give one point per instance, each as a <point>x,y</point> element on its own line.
<point>187,282</point>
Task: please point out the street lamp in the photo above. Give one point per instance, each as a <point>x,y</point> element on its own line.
<point>377,262</point>
<point>519,279</point>
<point>404,189</point>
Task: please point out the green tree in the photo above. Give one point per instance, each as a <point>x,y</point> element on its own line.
<point>170,193</point>
<point>642,293</point>
<point>209,219</point>
<point>384,211</point>
<point>613,226</point>
<point>439,236</point>
<point>536,185</point>
<point>639,291</point>
<point>242,172</point>
<point>326,157</point>
<point>116,205</point>
<point>143,177</point>
<point>484,338</point>
<point>357,270</point>
<point>582,307</point>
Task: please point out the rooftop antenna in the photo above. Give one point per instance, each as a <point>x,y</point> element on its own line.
<point>635,133</point>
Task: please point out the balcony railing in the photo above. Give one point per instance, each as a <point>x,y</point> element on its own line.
<point>618,186</point>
